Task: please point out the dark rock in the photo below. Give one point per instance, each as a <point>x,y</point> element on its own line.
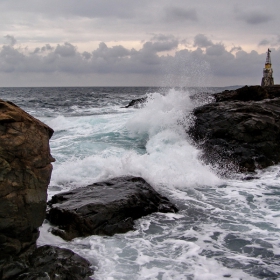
<point>12,268</point>
<point>49,262</point>
<point>105,208</point>
<point>242,134</point>
<point>136,102</point>
<point>255,93</point>
<point>252,93</point>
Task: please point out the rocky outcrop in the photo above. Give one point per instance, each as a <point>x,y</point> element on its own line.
<point>252,93</point>
<point>241,129</point>
<point>105,208</point>
<point>136,102</point>
<point>25,171</point>
<point>50,262</point>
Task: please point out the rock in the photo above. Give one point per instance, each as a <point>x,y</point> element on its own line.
<point>242,134</point>
<point>50,262</point>
<point>136,102</point>
<point>105,208</point>
<point>252,93</point>
<point>25,171</point>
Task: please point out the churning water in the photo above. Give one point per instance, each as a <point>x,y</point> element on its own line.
<point>226,228</point>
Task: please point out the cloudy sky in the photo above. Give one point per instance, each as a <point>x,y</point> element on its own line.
<point>137,43</point>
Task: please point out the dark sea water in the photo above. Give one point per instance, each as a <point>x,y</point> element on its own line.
<point>225,229</point>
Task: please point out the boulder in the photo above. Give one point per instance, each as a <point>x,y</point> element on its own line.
<point>25,172</point>
<point>104,208</point>
<point>244,135</point>
<point>50,262</point>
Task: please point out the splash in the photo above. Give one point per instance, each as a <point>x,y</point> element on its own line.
<point>150,142</point>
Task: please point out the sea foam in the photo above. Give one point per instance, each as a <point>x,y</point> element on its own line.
<point>150,142</point>
<point>226,228</point>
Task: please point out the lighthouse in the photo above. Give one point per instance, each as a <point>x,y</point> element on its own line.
<point>267,79</point>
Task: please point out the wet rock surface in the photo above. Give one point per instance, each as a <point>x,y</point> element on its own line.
<point>252,93</point>
<point>137,102</point>
<point>241,129</point>
<point>50,262</point>
<point>25,172</point>
<point>105,208</point>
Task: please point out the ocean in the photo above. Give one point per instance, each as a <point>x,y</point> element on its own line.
<point>226,227</point>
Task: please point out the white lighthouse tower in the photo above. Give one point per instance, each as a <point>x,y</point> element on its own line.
<point>267,79</point>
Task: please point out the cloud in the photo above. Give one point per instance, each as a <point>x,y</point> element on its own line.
<point>11,39</point>
<point>47,47</point>
<point>264,42</point>
<point>201,41</point>
<point>216,50</point>
<point>65,50</point>
<point>235,49</point>
<point>161,43</point>
<point>83,8</point>
<point>175,14</point>
<point>117,61</point>
<point>86,55</point>
<point>254,17</point>
<point>108,53</point>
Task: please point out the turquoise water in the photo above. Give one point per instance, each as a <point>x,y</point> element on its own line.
<point>226,228</point>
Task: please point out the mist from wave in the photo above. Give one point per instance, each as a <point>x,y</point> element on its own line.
<point>226,228</point>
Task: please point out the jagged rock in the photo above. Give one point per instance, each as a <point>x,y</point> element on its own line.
<point>136,102</point>
<point>243,134</point>
<point>105,208</point>
<point>25,171</point>
<point>50,262</point>
<point>252,93</point>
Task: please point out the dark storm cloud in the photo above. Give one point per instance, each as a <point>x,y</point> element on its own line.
<point>201,41</point>
<point>113,52</point>
<point>175,14</point>
<point>161,43</point>
<point>86,55</point>
<point>66,58</point>
<point>216,50</point>
<point>65,50</point>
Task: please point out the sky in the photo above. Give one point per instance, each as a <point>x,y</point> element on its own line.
<point>137,43</point>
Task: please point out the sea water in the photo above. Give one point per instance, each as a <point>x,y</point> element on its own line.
<point>226,228</point>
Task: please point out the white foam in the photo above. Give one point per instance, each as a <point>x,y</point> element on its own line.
<point>152,143</point>
<point>170,160</point>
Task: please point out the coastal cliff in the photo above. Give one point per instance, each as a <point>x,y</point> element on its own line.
<point>240,130</point>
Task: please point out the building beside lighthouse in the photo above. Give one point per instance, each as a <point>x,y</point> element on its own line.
<point>267,79</point>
